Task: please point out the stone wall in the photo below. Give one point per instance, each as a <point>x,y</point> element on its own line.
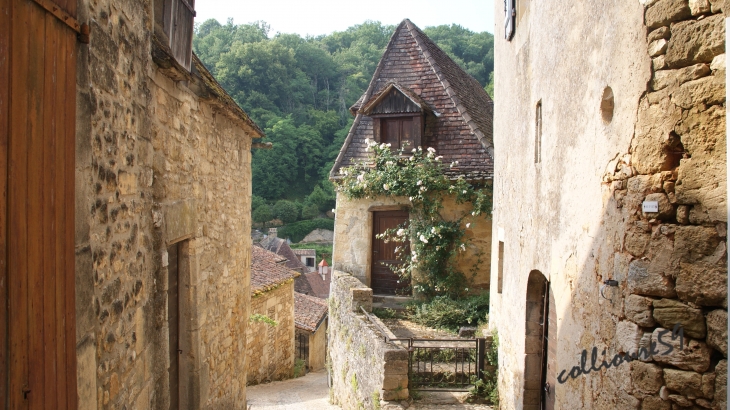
<point>353,237</point>
<point>657,134</point>
<point>366,371</point>
<point>270,349</point>
<point>156,165</point>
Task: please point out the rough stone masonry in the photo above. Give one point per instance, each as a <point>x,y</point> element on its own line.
<point>160,163</point>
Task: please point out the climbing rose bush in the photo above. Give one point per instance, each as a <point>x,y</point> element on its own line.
<point>434,241</point>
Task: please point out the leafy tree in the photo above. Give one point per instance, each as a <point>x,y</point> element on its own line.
<point>287,211</point>
<point>262,214</point>
<point>257,201</point>
<point>310,211</point>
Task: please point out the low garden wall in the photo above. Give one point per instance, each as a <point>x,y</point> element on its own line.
<point>366,372</point>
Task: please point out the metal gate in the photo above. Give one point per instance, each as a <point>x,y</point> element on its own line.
<point>443,364</point>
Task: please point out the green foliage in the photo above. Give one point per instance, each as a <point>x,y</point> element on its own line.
<point>300,368</point>
<point>386,313</point>
<point>433,241</point>
<point>310,211</point>
<point>257,201</point>
<point>489,88</point>
<point>259,318</point>
<point>298,230</point>
<point>286,211</point>
<point>443,312</point>
<point>376,400</point>
<point>262,214</point>
<point>299,90</point>
<point>488,387</point>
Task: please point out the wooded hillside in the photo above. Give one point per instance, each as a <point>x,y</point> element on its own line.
<point>299,91</point>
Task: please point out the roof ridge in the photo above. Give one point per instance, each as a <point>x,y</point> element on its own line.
<point>421,37</point>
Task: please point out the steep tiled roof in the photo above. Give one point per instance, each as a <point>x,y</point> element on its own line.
<point>309,311</point>
<point>462,130</point>
<point>320,287</point>
<point>268,270</point>
<point>305,252</point>
<point>281,248</point>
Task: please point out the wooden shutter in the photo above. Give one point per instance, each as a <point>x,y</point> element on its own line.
<point>37,172</point>
<point>179,17</point>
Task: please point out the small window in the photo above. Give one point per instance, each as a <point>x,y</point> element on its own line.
<point>538,132</point>
<point>310,262</point>
<point>510,14</point>
<point>398,132</point>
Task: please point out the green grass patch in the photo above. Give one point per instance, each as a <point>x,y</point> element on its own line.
<point>442,312</point>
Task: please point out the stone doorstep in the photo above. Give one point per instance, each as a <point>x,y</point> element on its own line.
<point>442,397</point>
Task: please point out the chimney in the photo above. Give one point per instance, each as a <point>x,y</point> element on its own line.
<point>272,232</point>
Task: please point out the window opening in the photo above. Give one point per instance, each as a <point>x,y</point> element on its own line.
<point>500,266</point>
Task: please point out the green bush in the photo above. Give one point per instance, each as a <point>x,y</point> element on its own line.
<point>262,214</point>
<point>287,211</point>
<point>310,211</point>
<point>443,312</point>
<point>298,230</point>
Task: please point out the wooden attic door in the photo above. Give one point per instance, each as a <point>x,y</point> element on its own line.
<point>383,280</point>
<point>37,147</point>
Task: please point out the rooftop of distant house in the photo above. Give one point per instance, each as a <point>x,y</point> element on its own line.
<point>457,110</point>
<point>309,311</point>
<point>268,270</point>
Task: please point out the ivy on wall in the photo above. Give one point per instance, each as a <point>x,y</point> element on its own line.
<point>435,242</point>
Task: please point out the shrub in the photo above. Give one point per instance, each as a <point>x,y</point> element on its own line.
<point>298,230</point>
<point>443,312</point>
<point>287,211</point>
<point>262,214</point>
<point>310,211</point>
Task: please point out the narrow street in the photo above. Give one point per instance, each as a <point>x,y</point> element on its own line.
<point>311,393</point>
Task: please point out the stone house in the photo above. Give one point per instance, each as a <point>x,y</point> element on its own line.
<point>128,188</point>
<point>310,322</point>
<point>610,205</point>
<point>270,347</point>
<point>418,97</point>
<point>281,247</point>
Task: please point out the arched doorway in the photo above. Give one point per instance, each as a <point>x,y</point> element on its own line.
<point>540,344</point>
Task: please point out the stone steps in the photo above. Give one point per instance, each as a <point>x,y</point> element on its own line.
<point>391,302</point>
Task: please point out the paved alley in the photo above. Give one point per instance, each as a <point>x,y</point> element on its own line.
<point>304,393</point>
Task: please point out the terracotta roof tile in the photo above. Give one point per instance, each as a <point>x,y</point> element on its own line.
<point>268,270</point>
<point>320,287</point>
<point>309,311</point>
<point>463,129</point>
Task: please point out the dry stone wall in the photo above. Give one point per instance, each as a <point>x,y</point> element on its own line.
<point>366,371</point>
<point>677,272</point>
<point>270,349</point>
<point>156,165</point>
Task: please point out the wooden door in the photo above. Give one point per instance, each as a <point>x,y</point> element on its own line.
<point>37,147</point>
<point>382,279</point>
<point>173,322</point>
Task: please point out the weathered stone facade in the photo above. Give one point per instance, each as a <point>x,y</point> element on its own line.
<point>632,105</point>
<point>352,250</point>
<point>159,163</point>
<point>270,349</point>
<point>366,371</point>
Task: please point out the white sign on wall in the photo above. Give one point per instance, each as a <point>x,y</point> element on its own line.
<point>650,206</point>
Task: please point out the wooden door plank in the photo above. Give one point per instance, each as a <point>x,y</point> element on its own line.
<point>17,212</point>
<point>5,25</point>
<point>57,186</point>
<point>45,166</point>
<point>69,226</point>
<point>34,203</point>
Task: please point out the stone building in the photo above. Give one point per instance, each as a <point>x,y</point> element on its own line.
<point>280,246</point>
<point>270,347</point>
<point>610,204</point>
<point>418,97</point>
<point>143,171</point>
<point>310,322</point>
